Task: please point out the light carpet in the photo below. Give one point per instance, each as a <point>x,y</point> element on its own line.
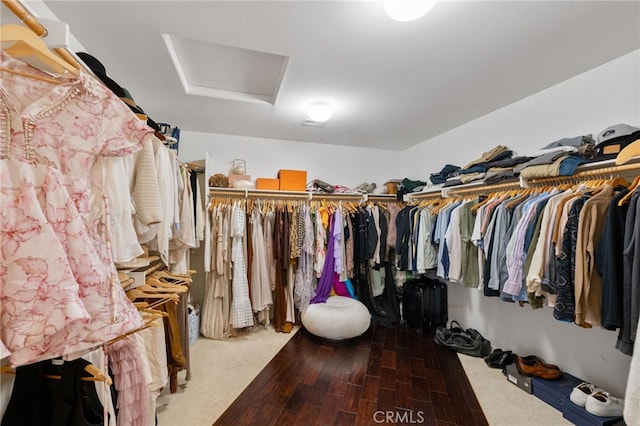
<point>502,402</point>
<point>222,369</point>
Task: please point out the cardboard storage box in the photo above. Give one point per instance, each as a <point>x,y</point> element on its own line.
<point>553,392</point>
<point>293,180</point>
<point>580,416</point>
<point>234,178</point>
<point>523,382</point>
<point>268,183</point>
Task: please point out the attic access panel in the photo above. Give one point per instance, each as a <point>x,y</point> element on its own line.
<point>226,72</point>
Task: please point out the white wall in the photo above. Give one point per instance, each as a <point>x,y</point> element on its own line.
<point>338,165</point>
<point>588,103</point>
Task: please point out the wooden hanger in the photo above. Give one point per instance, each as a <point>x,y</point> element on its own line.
<point>154,313</point>
<point>148,323</point>
<point>632,189</point>
<point>139,294</point>
<point>618,181</point>
<point>156,289</point>
<point>166,274</point>
<point>96,373</point>
<point>161,283</point>
<point>6,369</point>
<point>33,76</point>
<point>628,153</point>
<point>22,43</point>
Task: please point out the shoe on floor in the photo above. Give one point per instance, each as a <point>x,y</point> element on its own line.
<point>580,393</point>
<point>533,365</point>
<point>499,358</point>
<point>602,404</point>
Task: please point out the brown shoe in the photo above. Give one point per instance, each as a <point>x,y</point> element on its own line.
<point>534,366</point>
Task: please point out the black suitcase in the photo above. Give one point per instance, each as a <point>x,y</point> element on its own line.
<point>424,304</point>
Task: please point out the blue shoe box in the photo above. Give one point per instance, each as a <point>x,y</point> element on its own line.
<point>556,393</point>
<point>581,417</point>
<point>553,392</point>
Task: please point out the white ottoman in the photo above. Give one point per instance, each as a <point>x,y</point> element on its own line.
<point>339,318</point>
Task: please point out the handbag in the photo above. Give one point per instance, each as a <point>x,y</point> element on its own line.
<point>465,341</point>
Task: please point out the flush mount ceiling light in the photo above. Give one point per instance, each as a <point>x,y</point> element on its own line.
<point>406,11</point>
<point>319,112</point>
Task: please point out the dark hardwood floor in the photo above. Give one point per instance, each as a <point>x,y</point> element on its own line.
<point>386,376</point>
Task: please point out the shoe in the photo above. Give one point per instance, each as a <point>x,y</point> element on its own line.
<point>580,393</point>
<point>602,404</point>
<point>493,355</point>
<point>534,366</point>
<point>499,358</point>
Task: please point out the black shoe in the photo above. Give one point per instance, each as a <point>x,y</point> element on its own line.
<point>499,358</point>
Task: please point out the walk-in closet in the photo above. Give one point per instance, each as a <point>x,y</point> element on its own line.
<point>319,212</point>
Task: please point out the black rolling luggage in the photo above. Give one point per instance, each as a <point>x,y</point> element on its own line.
<point>424,304</point>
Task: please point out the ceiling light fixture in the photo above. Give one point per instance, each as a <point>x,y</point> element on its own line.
<point>406,11</point>
<point>319,112</point>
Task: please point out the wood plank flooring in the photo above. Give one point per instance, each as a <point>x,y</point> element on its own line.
<point>386,376</point>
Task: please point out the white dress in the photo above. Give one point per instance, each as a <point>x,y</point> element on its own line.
<point>241,314</point>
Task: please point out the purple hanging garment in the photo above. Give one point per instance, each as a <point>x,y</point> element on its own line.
<point>326,279</point>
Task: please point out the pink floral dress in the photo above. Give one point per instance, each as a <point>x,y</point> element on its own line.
<point>59,291</point>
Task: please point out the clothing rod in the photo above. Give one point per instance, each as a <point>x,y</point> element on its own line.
<point>338,197</point>
<point>382,198</point>
<point>25,17</point>
<point>258,193</point>
<point>295,195</point>
<point>524,183</point>
<point>485,188</point>
<point>34,25</point>
<point>613,170</point>
<point>425,195</point>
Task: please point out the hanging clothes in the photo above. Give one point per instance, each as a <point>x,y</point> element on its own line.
<point>54,222</point>
<point>588,282</point>
<point>269,221</point>
<point>132,376</point>
<point>212,323</point>
<point>40,401</point>
<point>281,257</point>
<point>184,232</point>
<point>304,283</point>
<point>630,291</point>
<point>609,263</point>
<point>321,221</point>
<point>241,313</point>
<point>325,284</point>
<point>261,299</point>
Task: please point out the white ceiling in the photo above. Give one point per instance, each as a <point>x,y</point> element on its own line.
<point>392,85</point>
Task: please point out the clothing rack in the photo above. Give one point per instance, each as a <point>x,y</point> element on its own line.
<point>423,196</point>
<point>22,13</point>
<point>297,195</point>
<point>604,170</point>
<point>504,186</point>
<point>381,198</point>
